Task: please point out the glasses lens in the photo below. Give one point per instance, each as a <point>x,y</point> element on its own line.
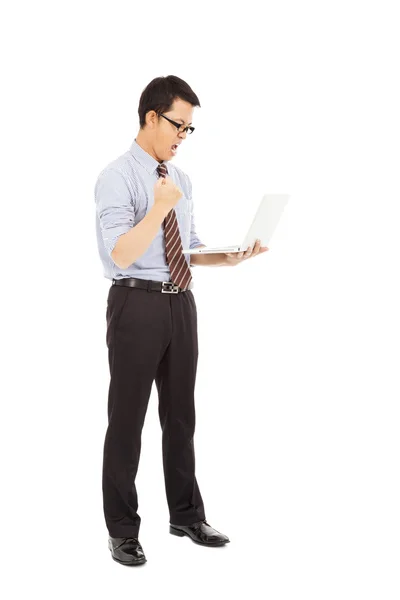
<point>182,128</point>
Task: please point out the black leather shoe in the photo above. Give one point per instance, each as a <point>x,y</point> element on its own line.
<point>126,551</point>
<point>200,533</point>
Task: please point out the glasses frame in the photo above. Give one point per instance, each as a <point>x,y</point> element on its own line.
<point>188,129</point>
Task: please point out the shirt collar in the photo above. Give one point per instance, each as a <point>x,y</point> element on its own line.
<point>144,158</point>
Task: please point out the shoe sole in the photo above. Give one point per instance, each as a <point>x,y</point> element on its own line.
<point>180,533</point>
<point>129,564</point>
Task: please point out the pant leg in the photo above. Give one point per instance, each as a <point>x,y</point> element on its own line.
<point>175,380</point>
<point>138,328</point>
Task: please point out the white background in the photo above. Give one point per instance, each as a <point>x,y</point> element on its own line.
<point>297,393</point>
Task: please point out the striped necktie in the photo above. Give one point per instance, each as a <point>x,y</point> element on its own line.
<point>178,266</point>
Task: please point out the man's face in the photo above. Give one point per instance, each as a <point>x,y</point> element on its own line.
<point>166,134</point>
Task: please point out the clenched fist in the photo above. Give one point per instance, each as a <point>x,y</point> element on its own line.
<point>166,193</point>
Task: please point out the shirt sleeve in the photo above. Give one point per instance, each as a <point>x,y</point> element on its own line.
<point>194,238</point>
<point>114,207</point>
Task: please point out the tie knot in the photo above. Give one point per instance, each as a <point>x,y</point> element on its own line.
<point>162,170</point>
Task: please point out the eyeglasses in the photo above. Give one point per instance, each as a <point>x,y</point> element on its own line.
<point>180,127</point>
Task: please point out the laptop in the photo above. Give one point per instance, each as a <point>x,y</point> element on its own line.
<point>263,226</point>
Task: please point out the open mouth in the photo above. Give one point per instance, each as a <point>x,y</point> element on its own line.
<point>174,148</point>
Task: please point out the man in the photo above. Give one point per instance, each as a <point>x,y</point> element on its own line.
<point>144,218</point>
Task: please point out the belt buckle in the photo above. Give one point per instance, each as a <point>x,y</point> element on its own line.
<point>172,287</point>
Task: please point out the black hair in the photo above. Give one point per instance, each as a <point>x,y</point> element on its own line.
<point>160,94</point>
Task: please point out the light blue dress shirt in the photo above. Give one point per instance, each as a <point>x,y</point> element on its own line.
<point>124,194</point>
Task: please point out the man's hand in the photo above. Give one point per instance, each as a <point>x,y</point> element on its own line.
<point>235,258</point>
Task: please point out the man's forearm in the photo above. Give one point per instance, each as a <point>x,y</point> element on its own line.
<point>208,260</point>
<point>131,245</point>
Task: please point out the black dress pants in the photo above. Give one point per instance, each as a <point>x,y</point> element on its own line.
<point>151,336</point>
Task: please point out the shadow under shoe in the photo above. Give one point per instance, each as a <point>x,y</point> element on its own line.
<point>126,551</point>
<point>200,533</point>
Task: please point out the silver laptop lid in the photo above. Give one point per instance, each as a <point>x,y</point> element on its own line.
<point>266,219</point>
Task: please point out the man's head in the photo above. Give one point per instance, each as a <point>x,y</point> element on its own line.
<point>163,99</point>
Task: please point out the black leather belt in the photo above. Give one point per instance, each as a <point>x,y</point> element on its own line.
<point>165,287</point>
